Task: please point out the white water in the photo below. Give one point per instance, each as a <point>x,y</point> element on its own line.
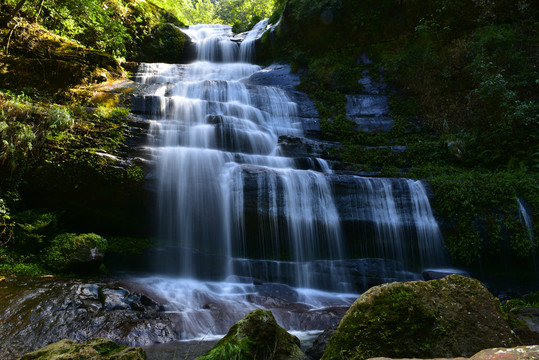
<point>229,207</point>
<point>525,219</point>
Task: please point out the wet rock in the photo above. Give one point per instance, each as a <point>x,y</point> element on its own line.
<point>362,105</point>
<point>530,316</point>
<point>454,316</point>
<point>94,349</point>
<point>316,351</point>
<point>435,274</point>
<point>279,291</point>
<point>278,75</point>
<point>37,312</point>
<point>257,336</point>
<point>373,123</point>
<point>292,146</point>
<point>526,324</point>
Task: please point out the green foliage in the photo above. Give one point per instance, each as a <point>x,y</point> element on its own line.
<point>527,301</point>
<point>128,245</point>
<point>33,229</point>
<point>165,43</point>
<point>60,118</point>
<point>13,264</point>
<point>243,15</point>
<point>65,248</point>
<point>118,27</point>
<point>483,212</point>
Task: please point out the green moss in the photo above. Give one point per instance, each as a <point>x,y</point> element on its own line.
<point>165,44</point>
<point>455,316</point>
<point>256,336</point>
<point>98,348</point>
<point>66,249</point>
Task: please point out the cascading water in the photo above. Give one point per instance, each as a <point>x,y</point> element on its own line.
<point>525,219</point>
<point>230,208</point>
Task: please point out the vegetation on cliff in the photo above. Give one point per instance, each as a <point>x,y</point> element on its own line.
<point>463,88</point>
<point>61,149</point>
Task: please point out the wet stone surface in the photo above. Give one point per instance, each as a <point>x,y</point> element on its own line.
<point>37,312</point>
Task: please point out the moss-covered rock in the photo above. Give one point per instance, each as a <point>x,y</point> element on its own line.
<point>451,317</point>
<point>166,43</point>
<point>79,252</point>
<point>256,336</point>
<point>94,349</point>
<point>35,57</point>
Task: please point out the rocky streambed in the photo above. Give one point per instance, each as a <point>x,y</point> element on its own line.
<point>35,312</point>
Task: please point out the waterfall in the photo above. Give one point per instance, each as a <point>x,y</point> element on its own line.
<point>525,219</point>
<point>232,212</point>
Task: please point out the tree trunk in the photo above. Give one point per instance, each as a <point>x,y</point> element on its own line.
<point>8,18</point>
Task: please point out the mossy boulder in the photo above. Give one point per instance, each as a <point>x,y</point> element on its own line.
<point>38,58</point>
<point>81,253</point>
<point>451,317</point>
<point>256,336</point>
<point>95,349</point>
<point>167,43</point>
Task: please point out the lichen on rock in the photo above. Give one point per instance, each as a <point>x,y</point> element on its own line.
<point>451,317</point>
<point>256,336</point>
<point>95,349</point>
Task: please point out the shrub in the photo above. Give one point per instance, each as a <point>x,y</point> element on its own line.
<point>67,249</point>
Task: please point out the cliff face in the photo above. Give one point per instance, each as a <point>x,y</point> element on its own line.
<point>460,94</point>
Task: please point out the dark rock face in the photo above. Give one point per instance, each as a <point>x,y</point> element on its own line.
<point>37,312</point>
<point>168,44</point>
<point>257,336</point>
<point>451,317</point>
<point>94,349</point>
<point>280,75</point>
<point>317,350</point>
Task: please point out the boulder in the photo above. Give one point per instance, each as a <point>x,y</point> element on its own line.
<point>40,59</point>
<point>257,336</point>
<point>81,253</point>
<point>451,317</point>
<point>517,353</point>
<point>99,348</point>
